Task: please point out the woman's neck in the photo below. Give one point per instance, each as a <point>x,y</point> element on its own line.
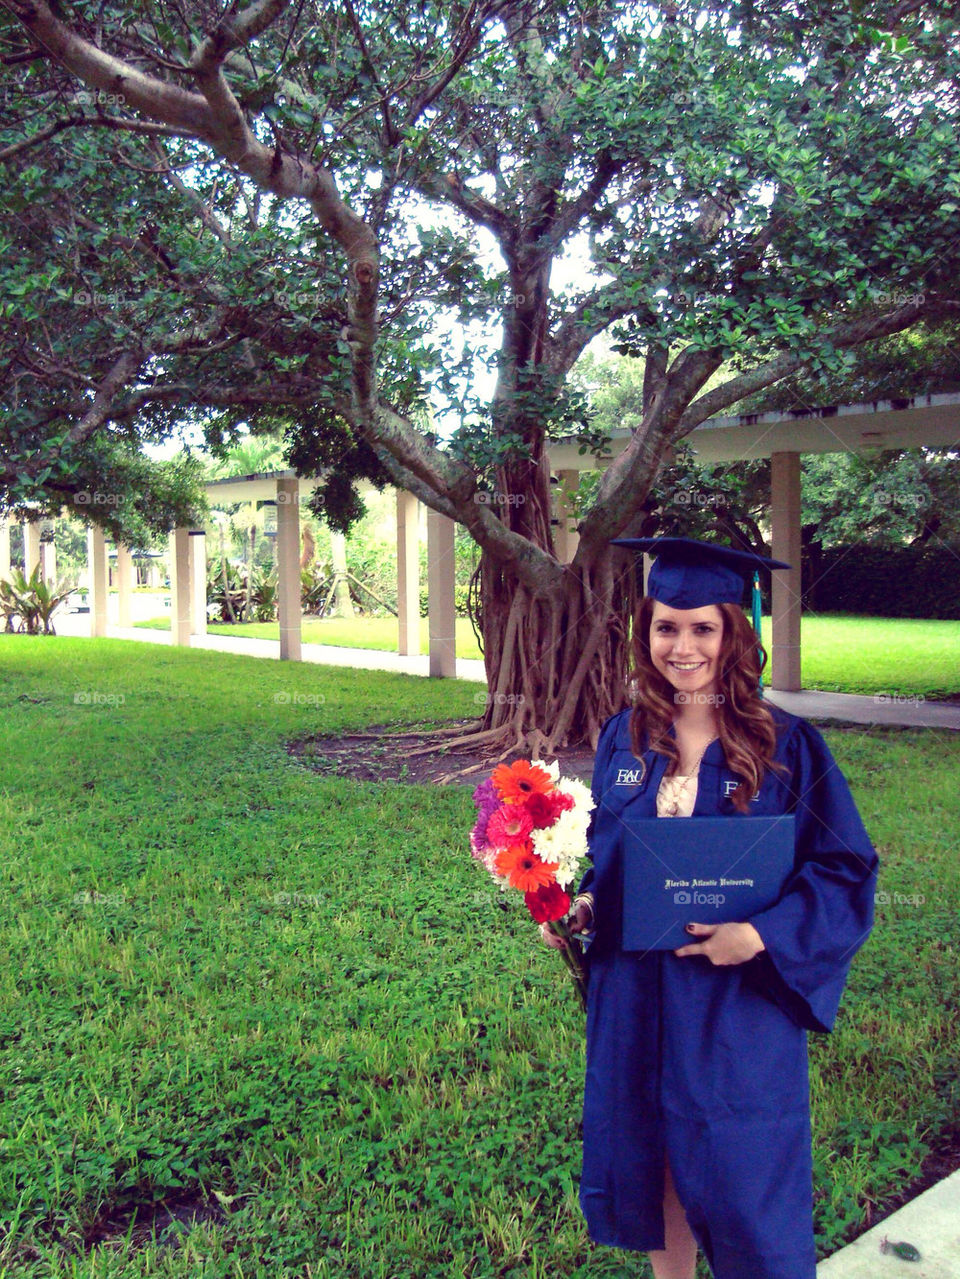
<point>696,719</point>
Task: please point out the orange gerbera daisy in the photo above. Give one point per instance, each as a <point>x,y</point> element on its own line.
<point>518,781</point>
<point>524,869</point>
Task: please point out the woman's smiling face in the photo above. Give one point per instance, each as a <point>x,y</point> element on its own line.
<point>685,646</point>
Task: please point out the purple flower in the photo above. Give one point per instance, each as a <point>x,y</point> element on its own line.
<point>487,802</point>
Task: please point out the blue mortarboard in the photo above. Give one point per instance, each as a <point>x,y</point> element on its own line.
<point>690,574</point>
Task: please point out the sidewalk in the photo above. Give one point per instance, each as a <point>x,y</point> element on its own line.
<point>931,1222</point>
<point>851,707</point>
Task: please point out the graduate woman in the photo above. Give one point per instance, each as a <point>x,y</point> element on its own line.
<point>696,1121</point>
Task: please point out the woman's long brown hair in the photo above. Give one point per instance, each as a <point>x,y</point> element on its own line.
<point>747,731</point>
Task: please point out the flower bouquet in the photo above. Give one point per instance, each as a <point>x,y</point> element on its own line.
<point>531,834</point>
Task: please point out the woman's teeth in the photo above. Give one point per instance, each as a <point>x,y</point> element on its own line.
<point>687,666</point>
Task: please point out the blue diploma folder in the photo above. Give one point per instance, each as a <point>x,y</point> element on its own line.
<point>704,870</point>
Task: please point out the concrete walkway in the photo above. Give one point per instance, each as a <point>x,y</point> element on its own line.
<point>880,709</point>
<point>931,1222</point>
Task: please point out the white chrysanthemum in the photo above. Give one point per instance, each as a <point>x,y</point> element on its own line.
<point>565,842</point>
<point>580,794</point>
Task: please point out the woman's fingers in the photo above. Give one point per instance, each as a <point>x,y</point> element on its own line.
<point>550,937</point>
<point>583,920</point>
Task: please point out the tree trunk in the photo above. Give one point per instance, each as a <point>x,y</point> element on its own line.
<point>555,663</point>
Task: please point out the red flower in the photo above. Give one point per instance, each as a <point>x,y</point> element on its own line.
<point>545,809</point>
<point>548,902</point>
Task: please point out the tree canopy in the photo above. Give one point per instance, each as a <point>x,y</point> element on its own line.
<point>273,212</point>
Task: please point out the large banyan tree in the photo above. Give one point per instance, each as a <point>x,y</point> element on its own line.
<point>324,216</point>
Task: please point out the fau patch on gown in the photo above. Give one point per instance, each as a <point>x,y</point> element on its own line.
<point>709,1063</point>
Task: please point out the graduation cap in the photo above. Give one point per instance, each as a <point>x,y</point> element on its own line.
<point>690,574</point>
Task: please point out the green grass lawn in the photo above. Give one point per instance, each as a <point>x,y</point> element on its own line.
<point>227,972</point>
<point>841,653</point>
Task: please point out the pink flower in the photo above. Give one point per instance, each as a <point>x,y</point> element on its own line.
<point>509,824</point>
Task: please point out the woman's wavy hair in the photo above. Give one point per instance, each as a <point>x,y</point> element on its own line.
<point>747,730</point>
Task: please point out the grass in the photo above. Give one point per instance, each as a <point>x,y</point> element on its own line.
<point>841,653</point>
<point>300,992</point>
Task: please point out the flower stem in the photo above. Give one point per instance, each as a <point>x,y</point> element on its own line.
<point>559,927</point>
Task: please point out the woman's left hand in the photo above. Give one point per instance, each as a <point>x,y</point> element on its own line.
<point>723,943</point>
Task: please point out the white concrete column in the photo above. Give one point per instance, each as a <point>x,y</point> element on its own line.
<point>124,585</point>
<point>289,607</point>
<point>408,573</point>
<point>343,606</point>
<point>153,575</point>
<point>198,582</point>
<point>4,550</point>
<point>48,562</point>
<point>786,540</point>
<point>180,587</point>
<point>31,546</point>
<point>566,539</point>
<point>97,572</point>
<point>440,580</point>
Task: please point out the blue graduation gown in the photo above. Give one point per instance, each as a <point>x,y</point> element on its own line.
<point>708,1064</point>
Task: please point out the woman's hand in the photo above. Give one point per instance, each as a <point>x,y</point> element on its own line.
<point>580,922</point>
<point>724,943</point>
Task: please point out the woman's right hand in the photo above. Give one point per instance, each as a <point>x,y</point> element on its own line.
<point>580,922</point>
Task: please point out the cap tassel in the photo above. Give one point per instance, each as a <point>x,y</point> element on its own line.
<point>755,603</point>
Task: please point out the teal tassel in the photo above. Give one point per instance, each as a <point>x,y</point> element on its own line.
<point>755,602</point>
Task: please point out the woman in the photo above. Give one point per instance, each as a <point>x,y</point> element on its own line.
<point>696,1125</point>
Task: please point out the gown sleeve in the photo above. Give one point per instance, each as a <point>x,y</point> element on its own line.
<point>825,913</point>
<point>598,785</point>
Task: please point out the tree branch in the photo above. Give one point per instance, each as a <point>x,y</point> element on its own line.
<point>100,410</point>
<point>852,333</point>
<point>567,343</point>
<point>86,121</point>
<point>230,33</point>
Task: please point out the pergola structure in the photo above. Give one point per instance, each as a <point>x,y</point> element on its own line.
<point>932,420</point>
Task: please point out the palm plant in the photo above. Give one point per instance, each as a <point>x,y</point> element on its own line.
<point>33,600</point>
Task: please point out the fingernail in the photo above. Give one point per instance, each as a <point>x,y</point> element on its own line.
<point>689,928</point>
